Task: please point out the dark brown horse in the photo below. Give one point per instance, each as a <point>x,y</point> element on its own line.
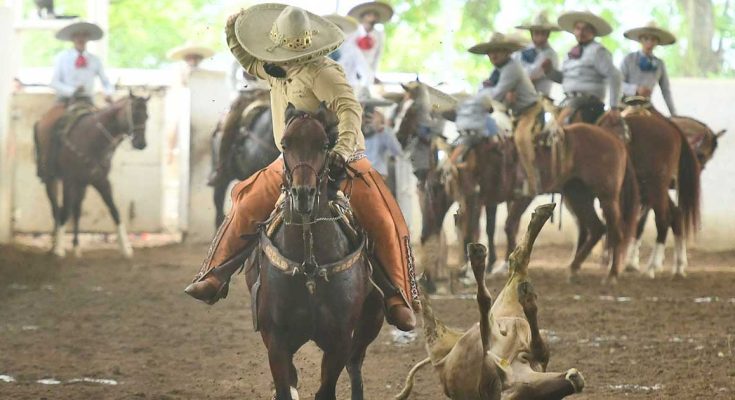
<point>251,148</point>
<point>85,157</point>
<point>314,278</point>
<point>660,152</point>
<point>591,163</point>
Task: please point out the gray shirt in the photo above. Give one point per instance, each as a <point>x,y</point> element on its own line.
<point>514,79</point>
<point>541,82</point>
<point>587,74</point>
<point>634,77</point>
<point>379,146</point>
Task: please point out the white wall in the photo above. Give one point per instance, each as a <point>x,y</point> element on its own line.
<point>6,73</point>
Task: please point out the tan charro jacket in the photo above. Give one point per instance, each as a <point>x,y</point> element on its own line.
<point>306,86</point>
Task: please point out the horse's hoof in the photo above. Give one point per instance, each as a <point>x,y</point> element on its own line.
<point>610,281</point>
<point>632,268</point>
<point>500,270</point>
<point>127,252</point>
<point>679,276</point>
<point>60,252</point>
<point>650,273</point>
<point>294,394</point>
<point>78,252</point>
<point>574,278</point>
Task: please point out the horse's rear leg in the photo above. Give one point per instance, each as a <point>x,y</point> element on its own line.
<point>220,189</point>
<point>680,245</point>
<point>611,211</point>
<point>52,190</point>
<point>580,202</point>
<point>633,258</point>
<point>104,188</point>
<point>660,205</point>
<point>367,330</point>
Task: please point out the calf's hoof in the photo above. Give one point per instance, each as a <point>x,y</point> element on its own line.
<point>576,379</point>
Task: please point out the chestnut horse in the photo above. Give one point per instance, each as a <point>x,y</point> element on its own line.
<point>660,152</point>
<point>84,158</point>
<point>310,279</point>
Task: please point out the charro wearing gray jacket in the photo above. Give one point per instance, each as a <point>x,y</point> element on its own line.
<point>535,54</point>
<point>587,70</point>
<point>642,70</point>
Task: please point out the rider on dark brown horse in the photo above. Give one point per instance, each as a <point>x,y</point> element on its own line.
<point>74,73</point>
<point>510,84</point>
<point>292,59</point>
<point>642,71</point>
<point>584,72</point>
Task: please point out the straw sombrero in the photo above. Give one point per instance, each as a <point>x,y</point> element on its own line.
<point>540,23</point>
<point>384,11</point>
<point>180,52</point>
<point>568,19</point>
<point>347,24</point>
<point>93,31</point>
<point>651,29</point>
<point>395,97</point>
<point>497,41</point>
<point>376,102</point>
<point>440,101</point>
<point>281,34</point>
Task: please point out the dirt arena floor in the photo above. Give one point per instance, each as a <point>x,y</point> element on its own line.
<point>102,327</point>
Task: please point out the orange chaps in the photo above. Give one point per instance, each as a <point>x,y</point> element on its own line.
<point>377,211</point>
<point>43,132</point>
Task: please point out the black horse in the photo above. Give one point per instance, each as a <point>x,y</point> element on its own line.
<point>252,149</point>
<point>311,276</point>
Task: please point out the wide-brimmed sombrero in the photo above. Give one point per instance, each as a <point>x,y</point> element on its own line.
<point>347,24</point>
<point>376,102</point>
<point>382,10</point>
<point>180,52</point>
<point>540,23</point>
<point>497,42</point>
<point>568,19</point>
<point>651,29</point>
<point>93,31</point>
<point>440,101</point>
<point>281,34</point>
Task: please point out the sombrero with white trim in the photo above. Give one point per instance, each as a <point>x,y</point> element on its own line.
<point>180,52</point>
<point>382,10</point>
<point>347,24</point>
<point>281,34</point>
<point>497,42</point>
<point>540,23</point>
<point>439,100</point>
<point>92,30</point>
<point>568,19</point>
<point>665,37</point>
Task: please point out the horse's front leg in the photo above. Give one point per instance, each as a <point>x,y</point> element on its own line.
<point>52,190</point>
<point>336,354</point>
<point>76,209</point>
<point>280,360</point>
<point>104,188</point>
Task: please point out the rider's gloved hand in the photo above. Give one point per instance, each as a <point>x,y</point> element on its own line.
<point>337,171</point>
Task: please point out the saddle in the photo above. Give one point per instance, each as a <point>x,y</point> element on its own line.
<point>637,105</point>
<point>589,107</point>
<point>76,109</point>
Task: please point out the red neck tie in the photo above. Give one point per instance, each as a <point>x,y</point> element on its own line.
<point>366,42</point>
<point>81,61</point>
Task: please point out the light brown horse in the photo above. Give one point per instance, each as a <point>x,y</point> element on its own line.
<point>85,158</point>
<point>660,152</point>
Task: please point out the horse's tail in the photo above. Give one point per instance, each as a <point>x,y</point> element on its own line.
<point>688,185</point>
<point>629,201</point>
<point>408,386</point>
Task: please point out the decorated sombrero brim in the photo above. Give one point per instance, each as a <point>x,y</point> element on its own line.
<point>382,10</point>
<point>497,42</point>
<point>540,23</point>
<point>256,33</point>
<point>347,24</point>
<point>180,52</point>
<point>440,101</point>
<point>93,31</point>
<point>651,29</point>
<point>568,19</point>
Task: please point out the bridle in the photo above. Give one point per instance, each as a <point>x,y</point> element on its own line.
<point>130,122</point>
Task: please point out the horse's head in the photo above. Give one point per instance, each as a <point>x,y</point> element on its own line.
<point>305,145</point>
<point>131,117</point>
